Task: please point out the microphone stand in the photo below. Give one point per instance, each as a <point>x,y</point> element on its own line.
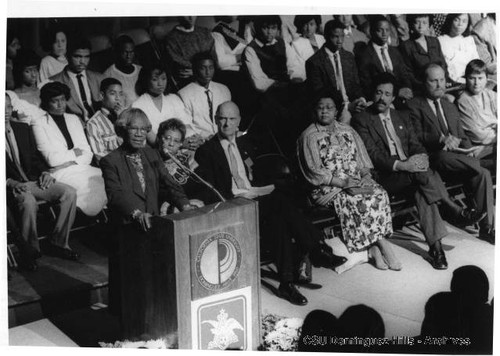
<point>191,172</point>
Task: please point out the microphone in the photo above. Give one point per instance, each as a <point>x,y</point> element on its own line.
<point>191,172</point>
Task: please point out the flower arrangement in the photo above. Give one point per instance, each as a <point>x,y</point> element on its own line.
<point>280,334</point>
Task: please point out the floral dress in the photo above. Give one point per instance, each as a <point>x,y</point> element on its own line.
<point>339,153</point>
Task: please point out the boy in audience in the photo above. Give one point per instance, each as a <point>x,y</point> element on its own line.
<point>182,43</point>
<point>379,57</point>
<point>354,39</point>
<point>100,130</point>
<point>201,99</point>
<point>437,125</point>
<point>124,68</point>
<point>83,84</point>
<point>478,111</point>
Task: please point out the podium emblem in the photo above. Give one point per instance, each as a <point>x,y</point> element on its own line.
<point>218,261</point>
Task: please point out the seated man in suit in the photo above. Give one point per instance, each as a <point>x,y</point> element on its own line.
<point>379,57</point>
<point>222,163</point>
<point>437,126</point>
<point>29,181</point>
<point>402,164</point>
<point>332,71</point>
<point>84,84</point>
<point>100,131</point>
<point>201,98</point>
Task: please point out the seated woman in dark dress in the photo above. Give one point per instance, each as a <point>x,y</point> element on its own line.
<point>178,162</point>
<point>421,49</point>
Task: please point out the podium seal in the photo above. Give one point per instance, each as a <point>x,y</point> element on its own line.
<point>218,261</point>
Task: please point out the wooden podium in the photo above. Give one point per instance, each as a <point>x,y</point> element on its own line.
<point>195,275</point>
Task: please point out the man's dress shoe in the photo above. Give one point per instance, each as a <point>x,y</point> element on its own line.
<point>289,292</point>
<point>438,259</point>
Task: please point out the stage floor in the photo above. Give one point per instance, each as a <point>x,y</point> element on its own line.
<point>399,297</point>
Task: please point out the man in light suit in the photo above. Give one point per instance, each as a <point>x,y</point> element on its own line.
<point>84,84</point>
<point>437,126</point>
<point>402,164</point>
<point>223,161</point>
<point>325,75</point>
<point>28,182</point>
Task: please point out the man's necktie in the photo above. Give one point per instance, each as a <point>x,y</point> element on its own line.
<point>13,154</point>
<point>233,165</point>
<point>385,61</point>
<point>394,137</point>
<point>210,104</point>
<point>340,76</point>
<point>83,96</point>
<point>440,117</point>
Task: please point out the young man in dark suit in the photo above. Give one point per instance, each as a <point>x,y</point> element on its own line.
<point>29,181</point>
<point>332,70</point>
<point>223,162</point>
<point>378,57</point>
<point>437,126</point>
<point>402,164</point>
<point>84,84</point>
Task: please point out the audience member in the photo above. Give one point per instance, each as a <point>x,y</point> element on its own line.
<point>23,111</point>
<point>478,111</point>
<point>26,77</point>
<point>354,39</point>
<point>61,140</point>
<point>308,43</point>
<point>421,49</point>
<point>55,44</point>
<point>28,182</point>
<point>222,162</point>
<point>158,107</point>
<point>437,126</point>
<point>485,32</point>
<point>457,45</point>
<point>13,45</point>
<point>317,331</point>
<point>178,162</point>
<point>333,159</point>
<point>378,57</point>
<point>100,131</point>
<point>124,68</point>
<point>402,165</point>
<point>228,45</point>
<point>332,71</point>
<point>398,30</point>
<point>462,313</point>
<point>182,43</point>
<point>83,84</point>
<point>201,98</point>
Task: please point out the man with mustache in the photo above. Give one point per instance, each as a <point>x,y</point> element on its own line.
<point>83,84</point>
<point>402,165</point>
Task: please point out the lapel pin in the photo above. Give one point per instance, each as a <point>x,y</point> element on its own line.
<point>400,127</point>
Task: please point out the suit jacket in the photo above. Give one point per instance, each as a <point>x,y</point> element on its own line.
<point>124,190</point>
<point>31,160</point>
<point>372,132</point>
<point>369,65</point>
<point>426,124</point>
<point>416,58</point>
<point>52,144</point>
<point>214,167</point>
<point>321,75</point>
<point>75,105</point>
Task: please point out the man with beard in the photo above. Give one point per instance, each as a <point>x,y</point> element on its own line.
<point>402,165</point>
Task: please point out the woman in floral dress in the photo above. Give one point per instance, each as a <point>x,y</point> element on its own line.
<point>334,161</point>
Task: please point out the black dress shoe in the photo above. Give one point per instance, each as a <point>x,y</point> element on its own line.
<point>487,234</point>
<point>324,257</point>
<point>289,292</point>
<point>64,253</point>
<point>472,216</point>
<point>438,259</point>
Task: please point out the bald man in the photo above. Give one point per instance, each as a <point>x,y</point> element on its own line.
<point>225,161</point>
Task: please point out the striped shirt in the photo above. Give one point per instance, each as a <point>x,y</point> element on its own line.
<point>101,135</point>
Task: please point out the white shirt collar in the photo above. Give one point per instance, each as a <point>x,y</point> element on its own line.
<point>73,74</point>
<point>329,52</point>
<point>225,142</point>
<point>379,48</point>
<point>260,44</point>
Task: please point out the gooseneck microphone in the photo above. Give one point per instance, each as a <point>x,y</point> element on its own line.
<point>191,172</point>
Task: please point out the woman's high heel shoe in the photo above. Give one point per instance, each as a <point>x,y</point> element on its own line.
<point>378,260</point>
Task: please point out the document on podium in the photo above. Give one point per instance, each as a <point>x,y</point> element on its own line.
<point>255,192</point>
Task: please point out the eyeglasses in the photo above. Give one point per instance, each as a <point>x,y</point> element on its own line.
<point>135,129</point>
